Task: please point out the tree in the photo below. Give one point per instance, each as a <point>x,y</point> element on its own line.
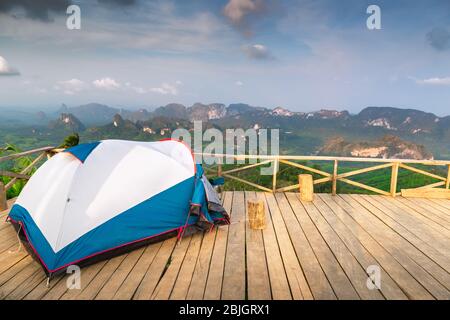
<point>71,141</point>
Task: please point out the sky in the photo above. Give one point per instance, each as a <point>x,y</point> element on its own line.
<point>303,55</point>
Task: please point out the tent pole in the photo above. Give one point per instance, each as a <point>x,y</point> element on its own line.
<point>49,278</point>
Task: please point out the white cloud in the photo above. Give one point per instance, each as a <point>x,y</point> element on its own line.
<point>435,81</point>
<point>257,51</point>
<point>6,69</point>
<point>70,87</point>
<point>166,89</point>
<point>239,83</point>
<point>106,83</point>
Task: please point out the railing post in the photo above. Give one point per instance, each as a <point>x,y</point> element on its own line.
<point>335,173</point>
<point>3,201</point>
<point>274,177</point>
<point>394,179</point>
<point>447,184</point>
<point>219,174</point>
<point>219,167</point>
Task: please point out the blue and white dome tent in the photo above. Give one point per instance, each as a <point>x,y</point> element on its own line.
<point>97,200</point>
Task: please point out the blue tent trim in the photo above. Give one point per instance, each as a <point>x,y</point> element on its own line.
<point>166,211</point>
<point>199,192</point>
<point>82,151</point>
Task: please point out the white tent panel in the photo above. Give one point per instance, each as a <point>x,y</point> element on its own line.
<point>116,177</point>
<point>45,195</point>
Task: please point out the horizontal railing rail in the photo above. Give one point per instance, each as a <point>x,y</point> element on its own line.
<point>323,158</point>
<point>25,153</point>
<point>335,176</point>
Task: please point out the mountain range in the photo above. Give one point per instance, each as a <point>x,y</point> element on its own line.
<point>388,118</point>
<point>388,147</point>
<point>300,132</point>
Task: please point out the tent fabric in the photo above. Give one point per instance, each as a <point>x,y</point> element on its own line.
<point>97,197</point>
<point>214,202</point>
<point>82,151</point>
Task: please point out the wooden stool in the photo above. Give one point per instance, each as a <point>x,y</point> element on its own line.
<point>256,214</point>
<point>306,186</point>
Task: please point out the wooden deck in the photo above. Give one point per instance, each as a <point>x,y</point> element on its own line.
<point>318,250</point>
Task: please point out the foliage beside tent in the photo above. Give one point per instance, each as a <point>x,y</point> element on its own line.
<point>16,165</point>
<point>19,164</point>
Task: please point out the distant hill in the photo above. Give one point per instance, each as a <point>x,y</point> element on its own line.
<point>443,130</point>
<point>67,122</point>
<point>135,116</point>
<point>394,119</point>
<point>204,112</point>
<point>208,112</point>
<point>388,147</point>
<point>100,114</point>
<point>21,117</point>
<point>153,129</point>
<point>240,108</point>
<point>172,110</point>
<point>92,113</point>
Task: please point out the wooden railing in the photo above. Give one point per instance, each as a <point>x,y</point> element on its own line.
<point>42,153</point>
<point>335,176</point>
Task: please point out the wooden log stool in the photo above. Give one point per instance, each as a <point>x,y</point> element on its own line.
<point>306,186</point>
<point>256,214</point>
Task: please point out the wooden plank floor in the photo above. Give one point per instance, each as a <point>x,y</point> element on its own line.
<point>318,250</point>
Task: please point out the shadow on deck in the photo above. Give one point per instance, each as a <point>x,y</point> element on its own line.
<point>319,250</point>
